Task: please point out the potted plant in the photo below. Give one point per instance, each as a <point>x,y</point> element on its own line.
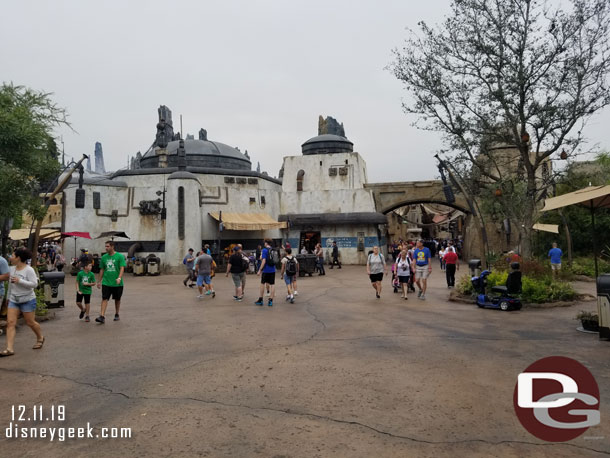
<point>589,320</point>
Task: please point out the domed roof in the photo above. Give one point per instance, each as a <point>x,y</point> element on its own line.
<point>200,153</point>
<point>327,144</point>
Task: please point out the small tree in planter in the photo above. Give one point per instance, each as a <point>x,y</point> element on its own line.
<point>589,320</point>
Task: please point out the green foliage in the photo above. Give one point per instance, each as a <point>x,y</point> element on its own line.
<point>536,289</point>
<point>464,286</point>
<point>586,266</point>
<point>28,152</point>
<point>41,305</point>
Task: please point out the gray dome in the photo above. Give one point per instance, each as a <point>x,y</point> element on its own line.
<point>200,153</point>
<point>327,144</point>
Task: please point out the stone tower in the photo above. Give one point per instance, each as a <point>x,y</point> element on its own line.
<point>99,158</point>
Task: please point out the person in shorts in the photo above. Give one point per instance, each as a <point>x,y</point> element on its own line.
<point>267,273</point>
<point>422,267</point>
<point>375,268</point>
<point>85,279</point>
<point>237,268</point>
<point>555,254</point>
<point>112,268</point>
<point>403,272</point>
<point>290,270</point>
<point>189,263</point>
<point>204,266</point>
<point>21,299</point>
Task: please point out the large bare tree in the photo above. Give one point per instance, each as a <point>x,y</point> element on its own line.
<point>526,74</point>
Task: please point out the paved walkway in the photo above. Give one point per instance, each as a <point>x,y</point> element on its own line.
<point>338,373</point>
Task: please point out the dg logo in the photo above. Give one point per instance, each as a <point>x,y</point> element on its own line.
<point>557,399</point>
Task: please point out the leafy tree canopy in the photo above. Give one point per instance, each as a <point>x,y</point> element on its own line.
<point>28,151</point>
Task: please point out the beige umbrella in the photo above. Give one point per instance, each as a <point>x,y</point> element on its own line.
<point>592,197</point>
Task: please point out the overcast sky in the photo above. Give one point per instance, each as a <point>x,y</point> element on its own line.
<point>255,74</point>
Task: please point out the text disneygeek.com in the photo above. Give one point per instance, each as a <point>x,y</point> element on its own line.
<point>21,415</point>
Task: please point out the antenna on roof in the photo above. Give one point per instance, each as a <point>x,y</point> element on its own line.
<point>181,134</point>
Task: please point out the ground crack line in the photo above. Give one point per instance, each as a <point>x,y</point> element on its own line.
<point>300,414</point>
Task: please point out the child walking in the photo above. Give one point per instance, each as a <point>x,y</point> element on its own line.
<point>84,281</point>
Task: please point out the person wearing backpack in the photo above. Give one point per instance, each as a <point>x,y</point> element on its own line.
<point>375,268</point>
<point>290,269</point>
<point>269,260</point>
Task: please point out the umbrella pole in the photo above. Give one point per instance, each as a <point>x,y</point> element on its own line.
<point>594,239</point>
<point>75,247</point>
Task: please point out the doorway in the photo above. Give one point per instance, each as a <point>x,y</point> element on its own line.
<point>309,240</point>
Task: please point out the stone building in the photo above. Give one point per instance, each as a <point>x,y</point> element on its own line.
<point>175,196</point>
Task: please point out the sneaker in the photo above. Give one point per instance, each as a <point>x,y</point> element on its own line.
<point>423,297</point>
<point>267,294</point>
<point>259,302</point>
<point>270,303</point>
<point>296,293</point>
<point>239,299</point>
<point>287,298</point>
<point>213,294</point>
<point>116,318</point>
<point>419,293</point>
<point>184,282</point>
<point>100,319</point>
<point>87,319</point>
<point>81,315</point>
<point>191,285</point>
<point>200,296</point>
<point>208,292</point>
<point>378,296</point>
<point>292,300</point>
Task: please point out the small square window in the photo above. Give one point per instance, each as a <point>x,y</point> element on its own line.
<point>252,200</point>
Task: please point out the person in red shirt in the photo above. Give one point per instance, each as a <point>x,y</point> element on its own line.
<point>452,263</point>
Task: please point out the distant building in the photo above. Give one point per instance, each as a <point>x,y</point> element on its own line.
<point>99,158</point>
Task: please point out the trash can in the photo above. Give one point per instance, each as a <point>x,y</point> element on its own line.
<point>53,287</point>
<point>153,265</point>
<point>475,267</point>
<point>307,264</point>
<point>603,305</point>
<point>139,267</point>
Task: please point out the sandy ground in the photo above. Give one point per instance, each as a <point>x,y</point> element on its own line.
<point>338,373</point>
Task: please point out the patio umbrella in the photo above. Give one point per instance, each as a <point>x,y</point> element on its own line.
<point>592,197</point>
<point>75,235</point>
<point>112,235</point>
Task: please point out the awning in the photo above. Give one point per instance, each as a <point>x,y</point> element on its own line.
<point>592,197</point>
<point>248,221</point>
<point>23,234</point>
<point>554,228</point>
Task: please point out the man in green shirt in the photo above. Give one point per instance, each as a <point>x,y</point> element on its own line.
<point>112,267</point>
<point>84,281</point>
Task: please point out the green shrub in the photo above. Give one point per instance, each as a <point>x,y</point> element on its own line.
<point>464,286</point>
<point>534,290</point>
<point>586,266</point>
<point>41,305</point>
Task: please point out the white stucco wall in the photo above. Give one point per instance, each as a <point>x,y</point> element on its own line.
<point>317,177</point>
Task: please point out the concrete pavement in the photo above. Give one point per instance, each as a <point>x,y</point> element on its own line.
<point>338,373</point>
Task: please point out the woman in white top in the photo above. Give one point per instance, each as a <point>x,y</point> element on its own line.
<point>403,270</point>
<point>441,255</point>
<point>21,298</point>
<point>376,267</point>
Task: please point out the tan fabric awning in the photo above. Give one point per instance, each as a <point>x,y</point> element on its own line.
<point>554,228</point>
<point>23,234</point>
<point>248,221</point>
<point>592,197</point>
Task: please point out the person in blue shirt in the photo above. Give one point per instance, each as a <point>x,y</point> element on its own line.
<point>267,272</point>
<point>555,255</point>
<point>422,268</point>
